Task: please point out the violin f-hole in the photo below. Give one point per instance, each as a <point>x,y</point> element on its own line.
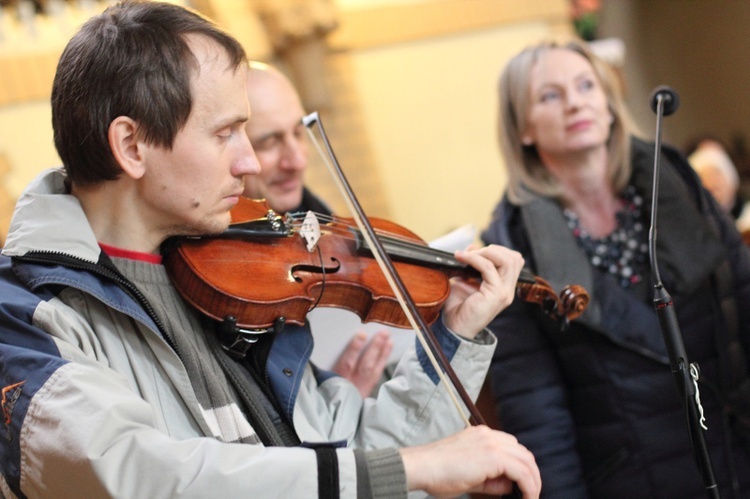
<point>314,269</point>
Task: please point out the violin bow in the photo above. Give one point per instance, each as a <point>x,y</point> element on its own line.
<point>424,333</point>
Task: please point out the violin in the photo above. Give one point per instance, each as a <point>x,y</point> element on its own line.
<point>265,267</point>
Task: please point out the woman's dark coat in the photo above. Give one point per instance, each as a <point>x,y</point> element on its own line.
<point>597,404</point>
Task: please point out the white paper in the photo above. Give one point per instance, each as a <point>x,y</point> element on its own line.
<point>333,328</point>
<point>457,239</point>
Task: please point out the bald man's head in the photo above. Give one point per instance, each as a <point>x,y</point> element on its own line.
<point>278,137</point>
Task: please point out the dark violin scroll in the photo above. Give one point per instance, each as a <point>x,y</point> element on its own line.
<point>571,303</point>
<point>574,300</point>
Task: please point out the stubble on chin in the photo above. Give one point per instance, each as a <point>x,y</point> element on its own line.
<point>208,226</point>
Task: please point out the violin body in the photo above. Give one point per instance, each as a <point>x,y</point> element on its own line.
<point>257,280</point>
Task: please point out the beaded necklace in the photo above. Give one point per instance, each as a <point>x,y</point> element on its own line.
<point>624,252</point>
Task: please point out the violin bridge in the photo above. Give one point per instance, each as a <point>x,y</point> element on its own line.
<point>310,230</point>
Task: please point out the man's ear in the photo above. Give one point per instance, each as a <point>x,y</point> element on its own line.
<point>126,148</point>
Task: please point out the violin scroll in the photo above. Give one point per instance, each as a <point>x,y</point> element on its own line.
<point>571,303</point>
<point>574,299</point>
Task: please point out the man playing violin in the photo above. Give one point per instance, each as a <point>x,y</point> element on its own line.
<point>113,385</point>
<point>279,140</point>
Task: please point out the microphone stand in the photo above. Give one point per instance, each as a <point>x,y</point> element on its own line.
<point>664,102</point>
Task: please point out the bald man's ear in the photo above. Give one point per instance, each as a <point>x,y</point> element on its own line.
<point>126,148</point>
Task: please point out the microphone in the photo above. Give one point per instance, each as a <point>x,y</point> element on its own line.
<point>668,96</point>
<point>664,101</point>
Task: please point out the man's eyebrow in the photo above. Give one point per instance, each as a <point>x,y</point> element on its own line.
<point>231,120</point>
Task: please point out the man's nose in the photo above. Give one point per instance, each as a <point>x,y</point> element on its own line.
<point>294,154</point>
<point>247,163</point>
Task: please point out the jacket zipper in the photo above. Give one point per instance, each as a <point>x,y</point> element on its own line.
<point>74,262</point>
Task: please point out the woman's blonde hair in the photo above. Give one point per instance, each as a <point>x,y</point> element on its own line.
<point>527,176</point>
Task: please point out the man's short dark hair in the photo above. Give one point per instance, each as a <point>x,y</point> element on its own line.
<point>132,60</point>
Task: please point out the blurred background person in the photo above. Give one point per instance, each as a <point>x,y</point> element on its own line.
<point>718,173</point>
<point>276,130</point>
<point>279,138</point>
<point>597,404</point>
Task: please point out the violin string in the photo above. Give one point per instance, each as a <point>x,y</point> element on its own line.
<point>397,240</point>
<point>333,229</point>
<point>419,251</point>
<point>346,226</point>
<point>298,219</point>
<point>339,227</point>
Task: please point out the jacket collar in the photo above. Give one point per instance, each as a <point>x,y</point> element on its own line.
<point>47,218</point>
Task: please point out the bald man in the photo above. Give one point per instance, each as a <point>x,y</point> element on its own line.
<point>277,133</point>
<point>278,136</point>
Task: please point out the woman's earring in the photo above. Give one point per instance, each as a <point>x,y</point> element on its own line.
<point>526,141</point>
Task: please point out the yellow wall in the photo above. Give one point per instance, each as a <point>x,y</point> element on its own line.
<point>430,108</point>
<point>26,141</point>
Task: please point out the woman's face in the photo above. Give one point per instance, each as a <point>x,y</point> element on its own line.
<point>568,111</point>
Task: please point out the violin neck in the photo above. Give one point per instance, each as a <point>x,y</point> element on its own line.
<point>420,254</point>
